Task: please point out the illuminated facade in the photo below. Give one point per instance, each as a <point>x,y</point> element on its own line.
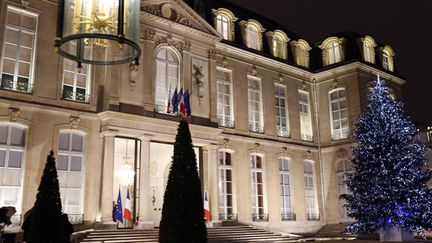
<point>271,116</point>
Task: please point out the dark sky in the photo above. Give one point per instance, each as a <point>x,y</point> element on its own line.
<point>404,25</point>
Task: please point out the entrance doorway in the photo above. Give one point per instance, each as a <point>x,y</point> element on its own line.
<point>160,163</point>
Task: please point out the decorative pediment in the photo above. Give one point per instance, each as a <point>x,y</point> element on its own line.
<point>179,12</point>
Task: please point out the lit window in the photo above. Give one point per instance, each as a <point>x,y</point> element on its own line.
<point>301,52</point>
<point>222,26</point>
<point>258,212</point>
<point>278,43</point>
<point>332,50</point>
<point>343,167</point>
<point>225,186</point>
<point>285,190</point>
<point>369,49</point>
<point>338,114</point>
<point>255,105</point>
<point>70,164</point>
<point>252,39</point>
<point>19,46</point>
<point>76,83</point>
<point>224,98</point>
<point>282,125</point>
<point>387,58</point>
<point>311,205</point>
<point>12,140</point>
<point>167,77</point>
<point>334,53</point>
<point>305,116</point>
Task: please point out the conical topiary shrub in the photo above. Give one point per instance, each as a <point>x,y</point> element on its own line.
<point>183,211</point>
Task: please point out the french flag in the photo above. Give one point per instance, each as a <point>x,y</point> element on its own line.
<point>127,210</point>
<point>207,214</point>
<point>182,103</point>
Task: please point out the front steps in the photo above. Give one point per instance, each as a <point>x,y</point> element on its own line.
<point>332,230</point>
<point>215,235</point>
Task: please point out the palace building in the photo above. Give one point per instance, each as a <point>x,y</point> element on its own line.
<point>271,121</point>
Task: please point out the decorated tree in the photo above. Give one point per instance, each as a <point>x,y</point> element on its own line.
<point>45,220</point>
<point>388,184</point>
<point>183,211</point>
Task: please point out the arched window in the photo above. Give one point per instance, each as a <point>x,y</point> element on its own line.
<point>285,189</point>
<point>368,49</point>
<point>278,46</point>
<point>70,167</point>
<point>257,177</point>
<point>223,26</point>
<point>338,114</point>
<point>12,139</point>
<point>332,50</point>
<point>167,77</point>
<point>311,201</point>
<point>252,39</point>
<point>301,52</point>
<point>387,58</point>
<point>343,167</point>
<point>225,185</point>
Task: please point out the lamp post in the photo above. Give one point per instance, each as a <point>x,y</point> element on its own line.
<point>102,32</point>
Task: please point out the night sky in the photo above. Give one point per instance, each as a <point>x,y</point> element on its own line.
<point>404,25</point>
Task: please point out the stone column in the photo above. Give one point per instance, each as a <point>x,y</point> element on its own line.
<point>144,215</point>
<point>210,179</point>
<point>107,197</point>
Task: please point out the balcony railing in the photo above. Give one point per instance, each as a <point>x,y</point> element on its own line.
<point>76,218</point>
<point>228,217</point>
<point>260,217</point>
<point>288,216</point>
<point>75,96</point>
<point>18,86</point>
<point>313,217</point>
<point>163,110</point>
<point>226,123</point>
<point>282,133</point>
<point>256,128</point>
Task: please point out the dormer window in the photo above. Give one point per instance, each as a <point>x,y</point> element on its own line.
<point>301,52</point>
<point>252,34</point>
<point>278,43</point>
<point>224,23</point>
<point>387,58</point>
<point>332,50</point>
<point>368,49</point>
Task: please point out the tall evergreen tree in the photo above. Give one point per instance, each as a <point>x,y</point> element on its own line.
<point>388,184</point>
<point>183,210</point>
<point>46,225</point>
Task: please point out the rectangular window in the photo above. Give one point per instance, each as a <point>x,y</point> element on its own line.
<point>334,53</point>
<point>285,191</point>
<point>18,50</point>
<point>255,105</point>
<point>282,125</point>
<point>70,163</point>
<point>76,82</point>
<point>222,24</point>
<point>305,116</point>
<point>224,98</point>
<point>258,212</point>
<point>311,210</point>
<point>11,164</point>
<point>226,211</point>
<point>338,114</point>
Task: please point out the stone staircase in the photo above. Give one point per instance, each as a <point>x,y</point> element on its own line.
<point>332,230</point>
<point>215,235</point>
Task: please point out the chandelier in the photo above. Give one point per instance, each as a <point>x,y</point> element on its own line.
<point>103,32</point>
<point>126,174</point>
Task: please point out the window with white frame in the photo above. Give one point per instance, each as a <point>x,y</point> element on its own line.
<point>343,168</point>
<point>285,190</point>
<point>167,77</point>
<point>70,167</point>
<point>12,139</point>
<point>252,37</point>
<point>311,210</point>
<point>225,109</point>
<point>301,52</point>
<point>257,188</point>
<point>368,49</point>
<point>255,105</point>
<point>76,82</point>
<point>282,125</point>
<point>338,114</point>
<point>279,46</point>
<point>223,26</point>
<point>18,51</point>
<point>305,116</point>
<point>225,186</point>
<point>334,53</point>
<point>387,60</point>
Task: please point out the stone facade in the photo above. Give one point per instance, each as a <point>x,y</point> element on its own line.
<point>122,106</point>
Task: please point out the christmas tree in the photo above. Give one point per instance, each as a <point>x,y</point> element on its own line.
<point>46,225</point>
<point>388,184</point>
<point>183,210</point>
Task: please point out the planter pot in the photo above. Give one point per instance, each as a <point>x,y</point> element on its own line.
<point>395,233</point>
